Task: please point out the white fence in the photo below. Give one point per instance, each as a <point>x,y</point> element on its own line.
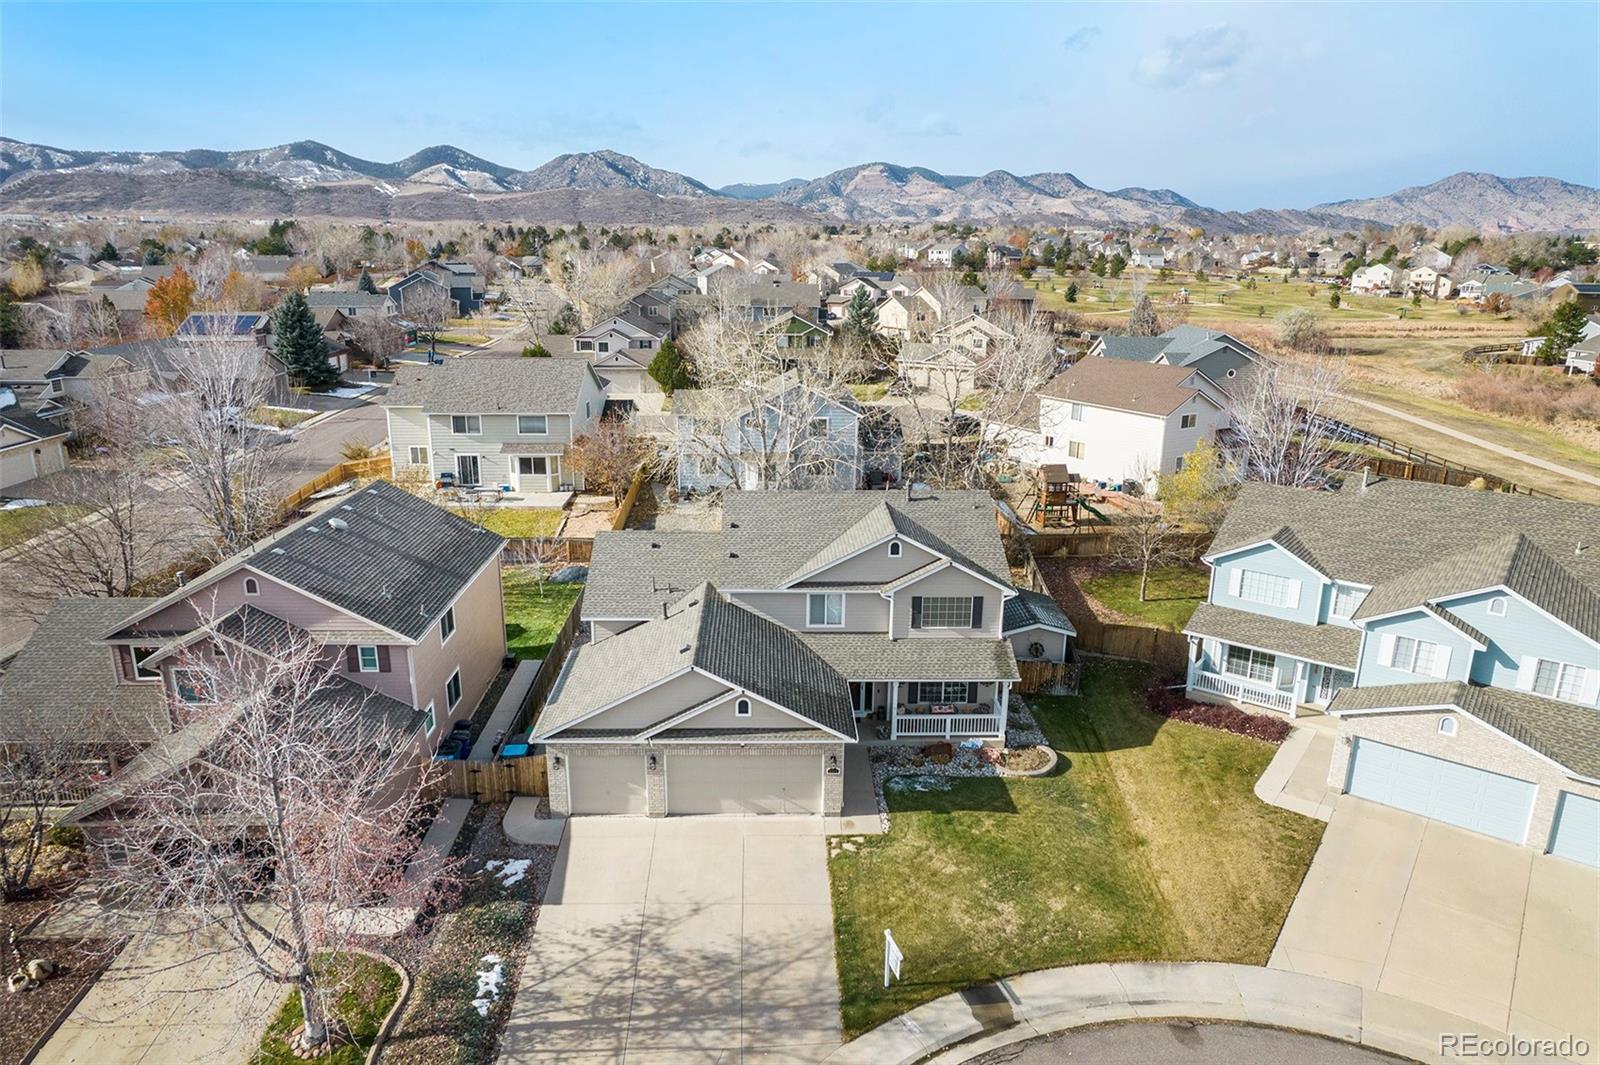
<point>1241,690</point>
<point>945,726</point>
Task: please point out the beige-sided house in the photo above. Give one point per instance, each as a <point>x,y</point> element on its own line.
<point>728,670</point>
<point>498,422</point>
<point>946,370</point>
<point>403,596</point>
<point>30,446</point>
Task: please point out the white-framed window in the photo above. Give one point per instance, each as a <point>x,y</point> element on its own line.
<point>1075,412</point>
<point>533,424</point>
<point>947,611</point>
<point>1177,465</point>
<point>140,670</point>
<point>367,659</point>
<point>894,549</point>
<point>532,465</point>
<point>942,691</point>
<point>1497,606</point>
<point>452,690</point>
<point>1345,600</point>
<point>825,609</point>
<point>819,426</point>
<point>741,708</point>
<point>604,345</point>
<point>1188,421</point>
<point>466,424</point>
<point>252,586</point>
<point>1049,441</point>
<point>1559,680</point>
<point>447,624</point>
<point>1447,726</point>
<point>189,684</point>
<point>1075,449</point>
<point>417,456</point>
<point>1268,589</point>
<point>430,721</point>
<point>585,345</point>
<point>1245,662</point>
<point>1415,656</point>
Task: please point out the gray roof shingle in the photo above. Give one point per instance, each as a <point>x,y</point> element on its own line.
<point>1031,608</point>
<point>1333,645</point>
<point>491,385</point>
<point>1139,387</point>
<point>874,656</point>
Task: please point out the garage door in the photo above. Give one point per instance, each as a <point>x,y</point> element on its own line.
<point>1576,834</point>
<point>606,783</point>
<point>744,784</point>
<point>1445,791</point>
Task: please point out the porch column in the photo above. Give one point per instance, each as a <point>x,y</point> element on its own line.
<point>1302,670</point>
<point>1005,706</point>
<point>894,704</point>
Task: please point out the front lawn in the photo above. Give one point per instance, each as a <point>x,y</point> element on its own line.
<point>1174,593</point>
<point>24,523</point>
<point>1148,844</point>
<point>535,612</point>
<point>522,522</point>
<point>369,990</point>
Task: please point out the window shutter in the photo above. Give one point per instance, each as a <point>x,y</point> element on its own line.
<point>1294,595</point>
<point>972,691</point>
<point>352,659</point>
<point>383,658</point>
<point>1386,649</point>
<point>916,612</point>
<point>1235,581</point>
<point>1441,661</point>
<point>1525,671</point>
<point>977,617</point>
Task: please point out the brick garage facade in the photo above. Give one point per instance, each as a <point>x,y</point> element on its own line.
<point>656,779</point>
<point>1474,744</point>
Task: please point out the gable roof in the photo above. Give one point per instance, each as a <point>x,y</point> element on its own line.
<point>509,385</point>
<point>1140,388</point>
<point>1029,608</point>
<point>328,298</point>
<point>31,424</point>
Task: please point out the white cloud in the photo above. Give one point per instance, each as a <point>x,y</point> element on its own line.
<point>1203,57</point>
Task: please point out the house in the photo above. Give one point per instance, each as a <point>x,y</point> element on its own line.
<point>460,281</point>
<point>403,596</point>
<point>1003,257</point>
<point>770,298</point>
<point>502,422</point>
<point>1587,293</point>
<point>944,253</point>
<point>1224,359</point>
<point>954,302</point>
<point>30,446</point>
<point>1151,257</point>
<point>1454,635</point>
<point>1426,281</point>
<point>249,328</point>
<point>53,384</point>
<point>975,333</point>
<point>905,317</point>
<point>356,304</point>
<point>1376,279</point>
<point>266,267</point>
<point>912,250</point>
<point>795,329</point>
<point>1111,421</point>
<point>787,435</point>
<point>729,670</point>
<point>948,370</point>
<point>1581,357</point>
<point>766,268</point>
<point>628,330</point>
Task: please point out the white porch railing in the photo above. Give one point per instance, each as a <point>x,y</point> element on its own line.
<point>1243,691</point>
<point>945,726</point>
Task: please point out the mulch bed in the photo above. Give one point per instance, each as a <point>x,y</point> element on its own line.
<point>30,1014</point>
<point>1063,577</point>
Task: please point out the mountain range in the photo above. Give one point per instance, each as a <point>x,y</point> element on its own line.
<point>443,183</point>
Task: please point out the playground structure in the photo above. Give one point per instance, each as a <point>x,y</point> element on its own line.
<point>1058,499</point>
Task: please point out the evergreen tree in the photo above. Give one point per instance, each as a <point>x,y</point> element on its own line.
<point>1072,292</point>
<point>669,370</point>
<point>366,284</point>
<point>297,341</point>
<point>535,351</point>
<point>107,253</point>
<point>1142,320</point>
<point>10,323</point>
<point>1334,300</point>
<point>1564,329</point>
<point>861,314</point>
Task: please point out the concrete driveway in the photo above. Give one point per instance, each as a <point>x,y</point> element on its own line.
<point>1452,919</point>
<point>681,940</point>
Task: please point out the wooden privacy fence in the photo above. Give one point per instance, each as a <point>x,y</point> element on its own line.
<point>1166,650</point>
<point>499,779</point>
<point>376,466</point>
<point>1049,676</point>
<point>550,668</point>
<point>620,521</point>
<point>551,550</point>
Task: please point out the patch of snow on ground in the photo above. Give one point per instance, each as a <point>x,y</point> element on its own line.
<point>509,870</point>
<point>355,392</point>
<point>489,981</point>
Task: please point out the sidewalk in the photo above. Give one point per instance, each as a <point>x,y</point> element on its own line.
<point>1008,1011</point>
<point>1297,777</point>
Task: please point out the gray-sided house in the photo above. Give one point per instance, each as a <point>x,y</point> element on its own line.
<point>727,670</point>
<point>1454,633</point>
<point>502,422</point>
<point>1224,359</point>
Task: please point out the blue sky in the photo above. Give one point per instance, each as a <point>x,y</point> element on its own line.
<point>1235,106</point>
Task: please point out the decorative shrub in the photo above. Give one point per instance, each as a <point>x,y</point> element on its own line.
<point>1170,703</point>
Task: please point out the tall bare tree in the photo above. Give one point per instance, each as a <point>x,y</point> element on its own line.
<point>428,307</point>
<point>1143,538</point>
<point>1285,425</point>
<point>599,282</point>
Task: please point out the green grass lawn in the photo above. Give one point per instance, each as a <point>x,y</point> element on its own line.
<point>522,522</point>
<point>1146,844</point>
<point>27,522</point>
<point>534,613</point>
<point>1173,594</point>
<point>866,392</point>
<point>370,990</point>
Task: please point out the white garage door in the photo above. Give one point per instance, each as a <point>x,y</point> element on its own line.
<point>606,783</point>
<point>744,784</point>
<point>1576,834</point>
<point>1445,791</point>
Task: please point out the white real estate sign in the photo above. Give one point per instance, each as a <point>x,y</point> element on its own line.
<point>891,957</point>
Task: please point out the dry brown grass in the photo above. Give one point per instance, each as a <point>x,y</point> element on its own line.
<point>1532,393</point>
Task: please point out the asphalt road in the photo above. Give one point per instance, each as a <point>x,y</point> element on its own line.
<point>1182,1043</point>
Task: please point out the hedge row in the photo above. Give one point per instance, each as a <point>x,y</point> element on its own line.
<point>1171,703</point>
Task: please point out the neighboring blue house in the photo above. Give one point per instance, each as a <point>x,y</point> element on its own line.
<point>460,280</point>
<point>1218,355</point>
<point>1454,633</point>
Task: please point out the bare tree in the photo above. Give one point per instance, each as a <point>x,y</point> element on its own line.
<point>611,455</point>
<point>292,810</point>
<point>428,307</point>
<point>42,769</point>
<point>378,337</point>
<point>1285,429</point>
<point>1143,539</point>
<point>599,283</point>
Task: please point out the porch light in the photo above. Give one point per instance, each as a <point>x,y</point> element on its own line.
<point>555,761</point>
<point>650,763</point>
<point>833,765</point>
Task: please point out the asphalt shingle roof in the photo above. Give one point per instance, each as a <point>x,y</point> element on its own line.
<point>873,656</point>
<point>491,386</point>
<point>1029,608</point>
<point>1139,387</point>
<point>1333,645</point>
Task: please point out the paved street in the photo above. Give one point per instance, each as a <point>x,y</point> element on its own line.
<point>317,447</point>
<point>681,939</point>
<point>1181,1043</point>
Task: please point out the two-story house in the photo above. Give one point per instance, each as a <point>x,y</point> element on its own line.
<point>402,596</point>
<point>1224,359</point>
<point>502,422</point>
<point>353,304</point>
<point>729,670</point>
<point>1455,634</point>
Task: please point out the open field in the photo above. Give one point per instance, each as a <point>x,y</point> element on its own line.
<point>1224,302</point>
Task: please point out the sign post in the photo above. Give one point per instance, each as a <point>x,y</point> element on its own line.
<point>891,957</point>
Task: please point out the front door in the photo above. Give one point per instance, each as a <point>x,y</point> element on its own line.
<point>466,469</point>
<point>533,473</point>
<point>1331,681</point>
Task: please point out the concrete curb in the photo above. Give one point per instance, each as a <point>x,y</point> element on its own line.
<point>959,1027</point>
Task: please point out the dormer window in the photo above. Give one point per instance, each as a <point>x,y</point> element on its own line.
<point>140,670</point>
<point>894,548</point>
<point>252,586</point>
<point>741,708</point>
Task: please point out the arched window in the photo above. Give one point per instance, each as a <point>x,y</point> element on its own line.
<point>251,587</point>
<point>1447,726</point>
<point>742,708</point>
<point>894,548</point>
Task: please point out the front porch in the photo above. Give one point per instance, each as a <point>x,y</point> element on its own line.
<point>895,711</point>
<point>1272,680</point>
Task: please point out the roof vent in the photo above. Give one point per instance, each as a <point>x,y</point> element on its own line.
<point>338,523</point>
<point>733,554</point>
<point>277,550</point>
<point>684,649</point>
<point>653,544</point>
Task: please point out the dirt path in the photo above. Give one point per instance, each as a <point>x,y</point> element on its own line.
<point>1478,441</point>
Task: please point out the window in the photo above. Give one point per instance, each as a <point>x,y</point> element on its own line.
<point>367,658</point>
<point>1345,600</point>
<point>1416,656</point>
<point>532,465</point>
<point>190,686</point>
<point>1244,662</point>
<point>1074,449</point>
<point>894,549</point>
<point>741,708</point>
<point>942,691</point>
<point>1559,680</point>
<point>430,721</point>
<point>252,586</point>
<point>604,345</point>
<point>819,426</point>
<point>1188,421</point>
<point>452,690</point>
<point>1497,606</point>
<point>1049,441</point>
<point>417,456</point>
<point>1447,726</point>
<point>1075,412</point>
<point>466,424</point>
<point>947,611</point>
<point>588,409</point>
<point>140,670</point>
<point>447,624</point>
<point>645,345</point>
<point>825,609</point>
<point>585,345</point>
<point>1177,464</point>
<point>533,424</point>
<point>1268,589</point>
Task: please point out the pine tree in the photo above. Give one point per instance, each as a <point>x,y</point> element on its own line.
<point>861,315</point>
<point>669,370</point>
<point>107,253</point>
<point>1142,320</point>
<point>1564,329</point>
<point>366,284</point>
<point>297,341</point>
<point>1072,292</point>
